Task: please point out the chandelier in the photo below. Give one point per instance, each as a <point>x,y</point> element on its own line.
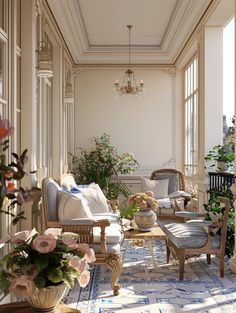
<point>129,85</point>
<point>69,94</point>
<point>45,60</point>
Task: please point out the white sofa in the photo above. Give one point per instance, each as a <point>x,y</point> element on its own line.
<point>84,210</point>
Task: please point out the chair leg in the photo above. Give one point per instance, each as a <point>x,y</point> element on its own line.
<point>208,258</point>
<point>114,262</point>
<point>222,261</point>
<point>167,253</point>
<point>181,257</point>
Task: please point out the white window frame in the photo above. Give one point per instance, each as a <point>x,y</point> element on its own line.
<point>191,108</point>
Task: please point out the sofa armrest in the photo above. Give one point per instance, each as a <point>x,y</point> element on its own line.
<point>114,205</point>
<point>84,227</point>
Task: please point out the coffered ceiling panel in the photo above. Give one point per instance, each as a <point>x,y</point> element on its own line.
<point>95,30</point>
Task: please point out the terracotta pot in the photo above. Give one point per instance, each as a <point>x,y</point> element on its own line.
<point>47,299</point>
<point>145,219</point>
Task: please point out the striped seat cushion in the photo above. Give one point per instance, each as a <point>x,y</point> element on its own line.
<point>184,235</point>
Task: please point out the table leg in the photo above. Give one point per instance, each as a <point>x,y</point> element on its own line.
<point>150,247</point>
<point>126,248</point>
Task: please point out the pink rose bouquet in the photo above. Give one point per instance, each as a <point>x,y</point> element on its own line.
<point>42,260</point>
<point>143,200</point>
<point>139,201</point>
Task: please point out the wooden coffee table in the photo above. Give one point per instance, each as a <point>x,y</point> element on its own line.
<point>155,233</point>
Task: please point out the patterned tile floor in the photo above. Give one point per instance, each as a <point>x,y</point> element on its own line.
<point>145,290</point>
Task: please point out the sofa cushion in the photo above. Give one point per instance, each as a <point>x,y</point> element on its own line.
<point>158,187</point>
<point>96,200</point>
<point>173,180</point>
<point>113,234</point>
<point>71,206</point>
<point>111,248</point>
<point>184,235</point>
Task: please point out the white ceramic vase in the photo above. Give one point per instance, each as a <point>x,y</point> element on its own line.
<point>47,299</point>
<point>145,219</point>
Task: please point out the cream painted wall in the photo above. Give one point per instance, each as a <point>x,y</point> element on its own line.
<point>145,127</point>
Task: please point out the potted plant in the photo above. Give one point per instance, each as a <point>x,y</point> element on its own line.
<point>214,212</point>
<point>222,155</point>
<point>103,165</point>
<point>140,207</point>
<point>40,267</point>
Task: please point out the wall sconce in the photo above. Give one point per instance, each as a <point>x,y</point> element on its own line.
<point>69,94</point>
<point>45,60</point>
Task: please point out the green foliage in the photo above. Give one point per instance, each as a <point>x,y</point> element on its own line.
<point>102,165</point>
<point>9,173</point>
<point>64,260</point>
<point>213,207</point>
<point>128,212</point>
<point>221,153</point>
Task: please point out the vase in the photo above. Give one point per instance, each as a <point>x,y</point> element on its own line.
<point>145,219</point>
<point>47,299</point>
<point>222,166</point>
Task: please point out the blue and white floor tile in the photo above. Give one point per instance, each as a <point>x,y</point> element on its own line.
<point>146,290</point>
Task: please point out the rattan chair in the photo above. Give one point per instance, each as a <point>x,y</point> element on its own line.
<point>176,183</point>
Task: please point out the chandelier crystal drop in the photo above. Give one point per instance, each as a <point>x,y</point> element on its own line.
<point>129,85</point>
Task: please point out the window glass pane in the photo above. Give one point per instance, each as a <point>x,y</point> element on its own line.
<point>18,23</point>
<point>228,81</point>
<point>191,118</point>
<point>2,22</point>
<point>18,106</point>
<point>2,69</point>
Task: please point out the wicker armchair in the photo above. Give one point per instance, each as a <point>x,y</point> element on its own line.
<point>176,184</point>
<point>91,231</point>
<point>197,237</point>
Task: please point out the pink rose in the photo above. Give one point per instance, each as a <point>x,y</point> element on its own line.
<point>84,278</point>
<point>70,242</point>
<point>44,243</point>
<point>142,205</point>
<point>20,237</point>
<point>30,271</point>
<point>23,236</point>
<point>22,287</point>
<point>78,263</point>
<point>54,232</point>
<point>89,254</point>
<point>150,194</point>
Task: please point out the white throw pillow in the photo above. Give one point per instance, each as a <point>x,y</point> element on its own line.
<point>158,187</point>
<point>71,206</point>
<point>68,182</point>
<point>96,199</point>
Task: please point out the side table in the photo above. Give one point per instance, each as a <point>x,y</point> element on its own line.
<point>24,307</point>
<point>155,233</point>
